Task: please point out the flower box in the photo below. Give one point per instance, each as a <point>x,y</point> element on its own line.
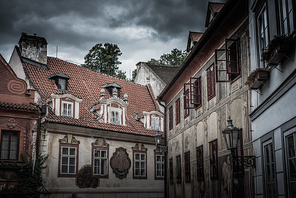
<point>257,78</point>
<point>277,50</point>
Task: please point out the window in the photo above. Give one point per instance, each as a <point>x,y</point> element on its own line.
<point>100,162</point>
<point>269,169</point>
<point>186,103</point>
<point>238,168</point>
<point>170,118</point>
<point>178,111</point>
<point>285,10</point>
<point>159,166</point>
<point>178,169</point>
<point>68,161</point>
<point>211,82</point>
<point>291,162</point>
<point>114,117</point>
<point>262,30</point>
<point>62,84</point>
<point>213,159</point>
<point>155,123</point>
<point>67,109</point>
<point>9,145</point>
<point>171,172</point>
<point>227,61</point>
<point>187,167</point>
<point>199,163</point>
<point>140,165</point>
<point>193,99</point>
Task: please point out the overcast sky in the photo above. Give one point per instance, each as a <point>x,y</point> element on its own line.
<point>143,29</point>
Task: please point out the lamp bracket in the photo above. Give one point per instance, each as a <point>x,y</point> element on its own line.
<point>163,148</point>
<point>248,161</point>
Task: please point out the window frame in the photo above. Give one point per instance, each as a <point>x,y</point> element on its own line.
<point>94,148</point>
<point>290,19</point>
<point>59,86</point>
<point>134,165</point>
<point>186,103</point>
<point>9,149</point>
<point>211,84</point>
<point>62,108</point>
<point>265,175</point>
<point>195,93</point>
<point>171,171</point>
<point>199,163</point>
<point>111,116</point>
<point>162,170</point>
<point>213,147</point>
<point>153,123</point>
<point>178,169</point>
<point>171,118</point>
<point>177,108</point>
<point>60,173</point>
<point>187,167</point>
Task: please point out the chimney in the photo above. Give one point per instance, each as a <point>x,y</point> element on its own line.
<point>33,48</point>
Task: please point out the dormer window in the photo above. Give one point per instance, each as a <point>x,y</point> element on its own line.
<point>61,80</point>
<point>67,109</point>
<point>113,89</point>
<point>155,123</point>
<point>114,119</point>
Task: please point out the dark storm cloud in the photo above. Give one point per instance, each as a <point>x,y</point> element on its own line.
<point>154,26</point>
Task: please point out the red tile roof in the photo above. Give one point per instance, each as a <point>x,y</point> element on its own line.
<point>87,84</point>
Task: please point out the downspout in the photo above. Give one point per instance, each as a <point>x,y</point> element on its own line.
<point>165,153</point>
<point>42,112</point>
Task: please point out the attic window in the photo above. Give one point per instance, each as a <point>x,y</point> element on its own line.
<point>111,86</point>
<point>61,80</point>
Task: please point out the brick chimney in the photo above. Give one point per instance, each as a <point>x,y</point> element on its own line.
<point>33,47</point>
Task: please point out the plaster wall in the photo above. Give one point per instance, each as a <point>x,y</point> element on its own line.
<point>110,184</point>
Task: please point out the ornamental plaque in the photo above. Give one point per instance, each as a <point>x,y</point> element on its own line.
<point>120,163</point>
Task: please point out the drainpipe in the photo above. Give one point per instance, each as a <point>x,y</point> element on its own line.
<point>165,153</point>
<point>43,112</point>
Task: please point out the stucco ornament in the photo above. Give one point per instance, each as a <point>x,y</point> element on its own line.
<point>11,123</point>
<point>120,163</point>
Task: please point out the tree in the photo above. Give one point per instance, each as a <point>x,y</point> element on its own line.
<point>175,58</point>
<point>103,59</point>
<point>134,74</point>
<point>121,74</point>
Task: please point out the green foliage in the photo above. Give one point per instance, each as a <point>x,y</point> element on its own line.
<point>121,74</point>
<point>103,59</point>
<point>134,74</point>
<point>29,180</point>
<point>175,58</point>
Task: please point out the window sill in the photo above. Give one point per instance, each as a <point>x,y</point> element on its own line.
<point>137,177</point>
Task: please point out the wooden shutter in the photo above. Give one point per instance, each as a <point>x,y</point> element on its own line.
<point>220,65</point>
<point>232,56</point>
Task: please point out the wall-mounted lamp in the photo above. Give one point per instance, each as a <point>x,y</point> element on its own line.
<point>158,142</point>
<point>231,135</point>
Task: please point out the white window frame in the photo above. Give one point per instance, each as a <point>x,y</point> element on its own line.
<point>97,168</point>
<point>67,110</point>
<point>68,156</point>
<point>285,9</point>
<point>155,123</point>
<point>62,82</point>
<point>159,163</point>
<point>140,161</point>
<point>286,134</point>
<point>262,30</point>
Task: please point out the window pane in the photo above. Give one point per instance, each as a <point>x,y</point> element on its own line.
<point>72,151</point>
<point>72,161</point>
<point>137,164</point>
<point>142,156</point>
<point>64,169</point>
<point>71,169</point>
<point>64,160</point>
<point>291,146</point>
<point>104,154</point>
<point>137,156</point>
<point>13,155</point>
<point>292,164</point>
<point>64,150</point>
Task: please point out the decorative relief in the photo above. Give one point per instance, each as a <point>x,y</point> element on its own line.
<point>120,163</point>
<point>11,123</point>
<point>69,139</point>
<point>100,142</point>
<point>17,87</point>
<point>139,147</point>
<point>84,178</point>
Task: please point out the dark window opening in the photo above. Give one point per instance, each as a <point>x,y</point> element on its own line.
<point>9,145</point>
<point>178,111</point>
<point>178,169</point>
<point>238,168</point>
<point>213,159</point>
<point>199,163</point>
<point>187,167</point>
<point>171,172</point>
<point>170,118</point>
<point>211,82</point>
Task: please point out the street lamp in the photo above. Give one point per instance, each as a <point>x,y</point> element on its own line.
<point>231,135</point>
<point>157,137</point>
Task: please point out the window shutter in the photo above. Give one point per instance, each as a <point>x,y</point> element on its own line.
<point>221,71</point>
<point>209,84</point>
<point>232,56</point>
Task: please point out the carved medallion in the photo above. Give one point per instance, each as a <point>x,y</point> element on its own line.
<point>120,163</point>
<point>84,178</point>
